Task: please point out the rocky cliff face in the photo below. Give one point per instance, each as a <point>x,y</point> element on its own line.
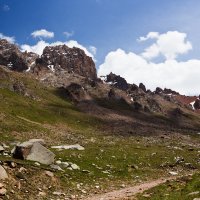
<point>54,59</point>
<point>13,58</point>
<point>72,60</point>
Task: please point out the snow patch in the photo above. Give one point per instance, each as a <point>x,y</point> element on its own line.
<point>192,104</point>
<point>51,67</point>
<point>10,65</point>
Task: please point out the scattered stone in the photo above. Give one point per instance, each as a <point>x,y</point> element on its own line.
<point>3,192</point>
<point>56,167</point>
<point>76,146</point>
<point>83,191</point>
<point>43,194</point>
<point>58,162</point>
<point>193,193</point>
<point>1,149</point>
<point>59,193</point>
<point>37,163</point>
<point>86,171</point>
<point>50,174</point>
<point>22,169</point>
<point>146,195</point>
<point>173,173</point>
<point>65,164</point>
<point>1,185</point>
<point>3,173</point>
<point>13,164</point>
<point>75,167</point>
<point>134,166</point>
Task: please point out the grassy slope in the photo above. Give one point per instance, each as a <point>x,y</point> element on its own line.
<point>109,160</point>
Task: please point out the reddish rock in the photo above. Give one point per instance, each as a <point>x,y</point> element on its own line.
<point>72,60</point>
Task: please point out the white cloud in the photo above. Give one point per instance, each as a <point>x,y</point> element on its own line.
<point>6,8</point>
<point>180,76</point>
<point>68,34</point>
<point>169,45</point>
<point>43,33</point>
<point>39,47</point>
<point>93,50</point>
<point>9,39</point>
<point>150,35</point>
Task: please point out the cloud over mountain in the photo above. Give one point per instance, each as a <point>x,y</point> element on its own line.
<point>8,38</point>
<point>40,45</point>
<point>171,73</point>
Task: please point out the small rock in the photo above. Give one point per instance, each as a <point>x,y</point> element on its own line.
<point>83,191</point>
<point>58,193</point>
<point>193,193</point>
<point>37,163</point>
<point>146,195</point>
<point>13,164</point>
<point>50,174</point>
<point>3,191</point>
<point>173,173</point>
<point>56,167</point>
<point>43,194</point>
<point>1,149</point>
<point>65,164</point>
<point>75,167</point>
<point>3,173</point>
<point>1,185</point>
<point>58,162</point>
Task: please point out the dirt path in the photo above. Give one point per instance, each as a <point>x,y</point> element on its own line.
<point>126,193</point>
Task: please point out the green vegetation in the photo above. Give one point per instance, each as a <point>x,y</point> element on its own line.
<point>185,188</point>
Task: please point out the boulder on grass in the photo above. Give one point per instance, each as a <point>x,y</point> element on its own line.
<point>33,150</point>
<point>3,173</point>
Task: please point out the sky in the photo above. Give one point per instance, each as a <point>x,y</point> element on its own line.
<point>151,41</point>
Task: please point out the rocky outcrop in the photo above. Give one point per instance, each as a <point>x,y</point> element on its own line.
<point>197,104</point>
<point>117,81</point>
<point>142,86</point>
<point>169,91</point>
<point>72,60</point>
<point>165,91</point>
<point>13,58</point>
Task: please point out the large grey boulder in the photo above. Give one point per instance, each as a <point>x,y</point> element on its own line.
<point>3,173</point>
<point>34,150</point>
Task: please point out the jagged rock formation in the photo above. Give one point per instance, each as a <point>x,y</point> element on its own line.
<point>142,86</point>
<point>117,81</point>
<point>13,58</point>
<point>75,72</point>
<point>72,60</point>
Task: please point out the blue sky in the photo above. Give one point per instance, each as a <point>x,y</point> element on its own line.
<point>105,24</point>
